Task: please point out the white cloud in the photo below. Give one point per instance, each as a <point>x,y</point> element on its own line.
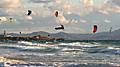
<point>3,19</point>
<point>41,1</point>
<point>85,11</point>
<point>88,3</point>
<point>10,5</point>
<point>85,7</point>
<point>107,21</point>
<point>62,19</point>
<point>28,17</point>
<point>73,21</point>
<point>6,20</point>
<point>83,21</point>
<point>104,12</point>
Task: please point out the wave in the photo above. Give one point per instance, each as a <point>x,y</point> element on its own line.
<point>7,64</point>
<point>26,43</point>
<point>24,46</point>
<point>61,50</point>
<point>55,65</point>
<point>79,44</point>
<point>92,47</point>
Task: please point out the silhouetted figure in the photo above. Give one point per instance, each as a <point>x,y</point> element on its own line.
<point>11,19</point>
<point>20,33</point>
<point>5,33</point>
<point>110,30</point>
<point>48,35</point>
<point>60,28</point>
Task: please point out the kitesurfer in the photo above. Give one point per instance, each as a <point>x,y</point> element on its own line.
<point>60,28</point>
<point>29,13</point>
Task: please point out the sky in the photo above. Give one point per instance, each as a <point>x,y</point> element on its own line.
<point>78,16</point>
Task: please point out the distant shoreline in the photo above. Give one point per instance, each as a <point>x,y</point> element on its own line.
<point>114,35</point>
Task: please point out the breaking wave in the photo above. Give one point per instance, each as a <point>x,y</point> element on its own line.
<point>64,51</point>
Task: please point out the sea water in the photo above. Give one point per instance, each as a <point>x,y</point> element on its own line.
<point>60,53</point>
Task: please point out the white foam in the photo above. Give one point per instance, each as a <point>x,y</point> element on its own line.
<point>113,48</point>
<point>81,44</point>
<point>34,45</point>
<point>69,49</point>
<point>26,42</point>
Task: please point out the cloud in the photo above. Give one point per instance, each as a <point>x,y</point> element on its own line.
<point>107,21</point>
<point>106,7</point>
<point>28,17</point>
<point>83,21</point>
<point>62,20</point>
<point>3,19</point>
<point>104,12</point>
<point>84,7</point>
<point>41,1</point>
<point>73,21</point>
<point>70,6</point>
<point>6,20</point>
<point>10,6</point>
<point>88,3</point>
<point>117,2</point>
<point>3,13</point>
<point>79,14</point>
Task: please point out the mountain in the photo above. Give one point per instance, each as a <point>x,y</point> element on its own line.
<point>42,33</point>
<point>114,35</point>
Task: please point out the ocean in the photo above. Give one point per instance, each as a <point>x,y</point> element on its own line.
<point>65,53</point>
